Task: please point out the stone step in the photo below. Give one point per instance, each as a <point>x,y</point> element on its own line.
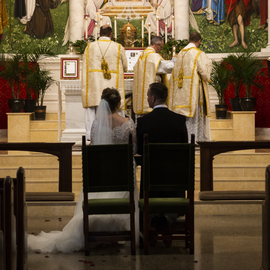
<point>133,11</point>
<point>66,209</point>
<point>221,123</point>
<point>47,124</point>
<point>41,135</point>
<point>54,116</point>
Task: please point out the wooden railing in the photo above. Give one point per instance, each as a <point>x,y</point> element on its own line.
<point>62,150</point>
<point>211,148</point>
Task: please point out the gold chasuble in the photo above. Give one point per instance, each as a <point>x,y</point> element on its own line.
<point>104,63</point>
<point>189,81</point>
<point>3,16</point>
<point>145,73</point>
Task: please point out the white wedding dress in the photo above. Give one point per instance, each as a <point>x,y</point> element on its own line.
<point>72,237</point>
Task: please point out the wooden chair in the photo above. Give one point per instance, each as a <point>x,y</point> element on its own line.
<point>20,212</point>
<point>168,167</point>
<point>108,168</point>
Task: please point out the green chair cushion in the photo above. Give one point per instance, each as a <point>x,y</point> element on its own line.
<point>108,206</point>
<point>166,205</point>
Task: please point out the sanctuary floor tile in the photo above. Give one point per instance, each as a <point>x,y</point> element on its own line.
<point>221,242</point>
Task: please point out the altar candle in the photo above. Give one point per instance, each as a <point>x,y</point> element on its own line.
<point>100,20</point>
<point>142,27</point>
<point>149,33</point>
<point>95,31</point>
<point>173,50</point>
<point>115,29</point>
<point>157,26</point>
<point>172,26</point>
<point>165,32</point>
<point>86,28</point>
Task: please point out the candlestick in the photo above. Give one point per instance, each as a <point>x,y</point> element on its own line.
<point>165,32</point>
<point>172,27</point>
<point>115,29</point>
<point>100,20</point>
<point>173,50</point>
<point>95,31</point>
<point>86,28</point>
<point>149,33</point>
<point>142,27</point>
<point>157,26</point>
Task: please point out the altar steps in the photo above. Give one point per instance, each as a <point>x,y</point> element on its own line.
<point>124,11</point>
<point>46,130</point>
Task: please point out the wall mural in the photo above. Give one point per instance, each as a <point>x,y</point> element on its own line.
<point>29,29</point>
<point>230,26</point>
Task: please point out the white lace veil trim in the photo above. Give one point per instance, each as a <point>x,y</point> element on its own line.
<point>103,129</point>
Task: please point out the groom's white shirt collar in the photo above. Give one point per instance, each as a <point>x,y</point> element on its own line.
<point>160,106</point>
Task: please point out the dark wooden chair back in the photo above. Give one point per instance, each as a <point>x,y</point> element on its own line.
<point>108,168</point>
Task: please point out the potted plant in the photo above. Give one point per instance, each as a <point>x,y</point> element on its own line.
<point>167,48</point>
<point>246,67</point>
<point>79,45</point>
<point>40,81</point>
<point>220,79</point>
<point>31,63</point>
<point>10,70</point>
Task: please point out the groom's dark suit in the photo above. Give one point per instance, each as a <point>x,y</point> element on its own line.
<point>162,126</point>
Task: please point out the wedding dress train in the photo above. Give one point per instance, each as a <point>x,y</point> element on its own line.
<point>71,238</point>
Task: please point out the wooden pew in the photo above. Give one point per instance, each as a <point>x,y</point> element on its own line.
<point>266,223</point>
<point>20,212</point>
<point>8,224</point>
<point>1,240</point>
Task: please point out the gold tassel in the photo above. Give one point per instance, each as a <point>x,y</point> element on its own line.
<point>105,68</point>
<point>180,78</point>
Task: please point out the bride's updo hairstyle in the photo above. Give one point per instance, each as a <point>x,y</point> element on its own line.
<point>112,96</point>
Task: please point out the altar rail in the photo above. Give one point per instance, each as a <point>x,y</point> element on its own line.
<point>62,150</point>
<point>207,152</point>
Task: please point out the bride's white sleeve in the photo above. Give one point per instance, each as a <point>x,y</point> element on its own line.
<point>134,138</point>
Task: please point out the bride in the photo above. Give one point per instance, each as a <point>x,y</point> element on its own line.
<point>108,128</point>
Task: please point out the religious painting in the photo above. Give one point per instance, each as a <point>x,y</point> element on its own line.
<point>229,26</point>
<point>33,23</point>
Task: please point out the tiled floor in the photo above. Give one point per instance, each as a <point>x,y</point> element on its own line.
<point>221,242</point>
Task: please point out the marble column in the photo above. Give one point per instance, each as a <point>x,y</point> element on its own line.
<point>76,20</point>
<point>181,15</point>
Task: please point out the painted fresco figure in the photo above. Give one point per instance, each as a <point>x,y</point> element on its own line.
<point>3,18</point>
<point>196,6</point>
<point>164,11</point>
<point>30,6</point>
<point>19,9</point>
<point>239,12</point>
<point>263,14</point>
<point>215,10</point>
<point>93,13</point>
<point>41,24</point>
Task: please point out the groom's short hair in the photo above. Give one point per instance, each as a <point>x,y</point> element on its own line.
<point>159,91</point>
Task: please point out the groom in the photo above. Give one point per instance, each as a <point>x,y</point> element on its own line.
<point>162,126</point>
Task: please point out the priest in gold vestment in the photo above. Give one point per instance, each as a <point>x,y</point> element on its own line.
<point>104,64</point>
<point>189,94</point>
<point>150,68</point>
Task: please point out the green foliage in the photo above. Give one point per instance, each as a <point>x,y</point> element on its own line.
<point>19,42</point>
<point>10,70</point>
<point>79,45</point>
<point>40,81</point>
<point>245,69</point>
<point>220,79</point>
<point>217,38</point>
<point>179,45</point>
